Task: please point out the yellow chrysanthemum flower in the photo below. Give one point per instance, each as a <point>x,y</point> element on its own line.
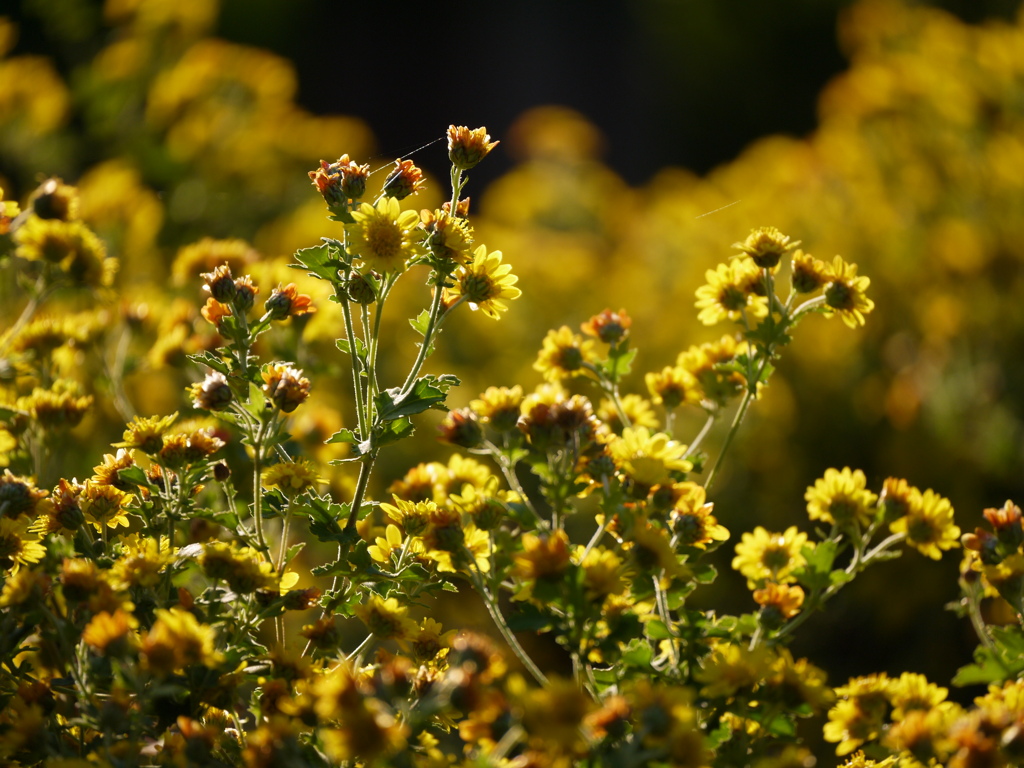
<point>929,526</point>
<point>386,618</point>
<point>141,561</point>
<point>292,478</point>
<point>763,556</point>
<point>766,246</point>
<point>69,244</point>
<point>104,506</point>
<point>845,293</point>
<point>732,668</point>
<point>486,283</point>
<point>728,294</point>
<point>564,354</point>
<point>382,236</point>
<point>673,386</point>
<point>19,544</point>
<point>177,640</point>
<point>648,458</point>
<point>841,498</point>
<point>499,407</point>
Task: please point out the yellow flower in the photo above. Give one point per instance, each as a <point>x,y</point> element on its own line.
<point>648,458</point>
<point>147,433</point>
<point>71,245</point>
<point>860,714</point>
<point>498,407</point>
<point>929,525</point>
<point>386,618</point>
<point>412,516</point>
<point>732,668</point>
<point>243,568</point>
<point>564,354</point>
<point>19,544</point>
<point>845,293</point>
<point>104,505</point>
<point>486,283</point>
<point>177,640</point>
<point>447,237</point>
<point>553,715</point>
<point>809,273</point>
<point>650,549</point>
<point>110,632</point>
<point>141,561</point>
<point>543,557</point>
<point>637,410</point>
<point>292,478</point>
<point>763,556</point>
<point>285,385</point>
<point>466,148</point>
<point>766,246</point>
<point>673,386</point>
<point>382,236</point>
<point>841,498</point>
<point>691,518</point>
<point>603,573</point>
<point>20,497</point>
<point>702,362</point>
<point>911,691</point>
<point>779,602</point>
<point>727,295</point>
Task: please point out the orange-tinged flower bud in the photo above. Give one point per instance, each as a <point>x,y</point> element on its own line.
<point>466,148</point>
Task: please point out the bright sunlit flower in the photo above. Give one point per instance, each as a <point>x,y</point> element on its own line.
<point>292,478</point>
<point>726,296</point>
<point>564,354</point>
<point>763,556</point>
<point>382,236</point>
<point>648,458</point>
<point>19,544</point>
<point>929,525</point>
<point>486,283</point>
<point>766,246</point>
<point>841,498</point>
<point>845,292</point>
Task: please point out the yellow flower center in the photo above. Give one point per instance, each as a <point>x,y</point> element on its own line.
<point>477,288</point>
<point>384,239</point>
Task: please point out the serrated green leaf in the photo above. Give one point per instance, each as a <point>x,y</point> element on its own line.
<point>343,436</point>
<point>638,654</point>
<point>987,668</point>
<point>134,475</point>
<point>210,360</point>
<point>321,262</point>
<point>427,392</point>
<point>345,346</point>
<point>419,323</point>
<point>816,574</point>
<point>324,515</point>
<point>393,431</point>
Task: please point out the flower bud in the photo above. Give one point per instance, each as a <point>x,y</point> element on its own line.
<point>220,283</point>
<point>362,288</point>
<point>404,180</point>
<point>213,393</point>
<point>466,148</point>
<point>285,386</point>
<point>55,200</point>
<point>461,428</point>
<point>245,294</point>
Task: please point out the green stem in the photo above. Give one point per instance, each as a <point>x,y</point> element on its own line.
<point>503,628</point>
<point>421,356</point>
<point>712,417</point>
<point>39,291</point>
<point>350,334</point>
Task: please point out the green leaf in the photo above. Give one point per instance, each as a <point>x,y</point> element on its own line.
<point>987,668</point>
<point>345,346</point>
<point>655,629</point>
<point>816,575</point>
<point>343,436</point>
<point>427,392</point>
<point>392,431</point>
<point>419,324</point>
<point>638,654</point>
<point>293,550</point>
<point>211,360</point>
<point>324,515</point>
<point>134,475</point>
<point>321,262</point>
<point>621,365</point>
